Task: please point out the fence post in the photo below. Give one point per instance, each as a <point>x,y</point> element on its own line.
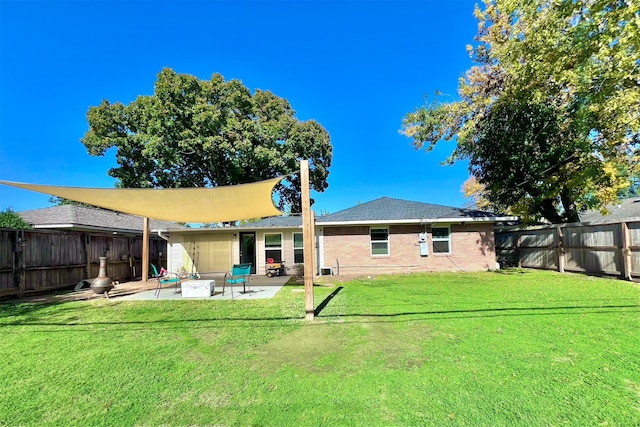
<point>518,251</point>
<point>15,262</point>
<point>560,249</point>
<point>22,263</point>
<point>87,246</point>
<point>626,251</point>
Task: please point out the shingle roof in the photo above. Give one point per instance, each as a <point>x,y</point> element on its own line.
<point>74,216</point>
<point>276,221</point>
<point>383,209</point>
<point>389,209</point>
<point>626,208</point>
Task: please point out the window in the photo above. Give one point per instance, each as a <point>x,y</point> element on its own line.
<point>273,247</point>
<point>441,240</point>
<point>379,241</point>
<point>298,248</point>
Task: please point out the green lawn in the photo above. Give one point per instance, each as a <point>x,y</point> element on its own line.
<point>527,348</point>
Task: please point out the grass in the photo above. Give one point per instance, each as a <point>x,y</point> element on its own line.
<point>485,349</point>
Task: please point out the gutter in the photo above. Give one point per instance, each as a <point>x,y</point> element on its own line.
<point>163,237</point>
<point>419,221</point>
<point>85,228</point>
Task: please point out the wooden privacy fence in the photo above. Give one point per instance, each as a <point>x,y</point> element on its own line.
<point>604,248</point>
<point>34,261</point>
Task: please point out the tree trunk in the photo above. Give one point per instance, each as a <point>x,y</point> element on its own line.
<point>570,212</point>
<point>549,212</point>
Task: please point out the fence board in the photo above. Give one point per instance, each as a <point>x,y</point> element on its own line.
<point>539,258</point>
<point>592,236</point>
<point>48,260</point>
<point>592,248</point>
<point>594,261</point>
<point>635,264</point>
<point>7,253</point>
<point>537,238</point>
<point>634,234</point>
<point>505,241</point>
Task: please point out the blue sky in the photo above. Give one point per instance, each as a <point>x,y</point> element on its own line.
<point>357,67</point>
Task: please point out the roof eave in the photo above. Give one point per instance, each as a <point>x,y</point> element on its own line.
<point>233,229</point>
<point>420,221</point>
<point>79,227</point>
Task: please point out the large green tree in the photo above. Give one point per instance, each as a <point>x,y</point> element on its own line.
<point>11,219</point>
<point>196,133</point>
<point>549,117</point>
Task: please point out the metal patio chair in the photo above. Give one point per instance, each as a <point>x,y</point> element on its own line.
<point>239,274</point>
<point>164,278</point>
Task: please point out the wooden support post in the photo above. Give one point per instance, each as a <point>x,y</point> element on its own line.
<point>307,236</point>
<point>626,251</point>
<point>313,243</point>
<point>145,249</point>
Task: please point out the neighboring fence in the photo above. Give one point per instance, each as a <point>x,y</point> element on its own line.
<point>34,261</point>
<point>603,248</point>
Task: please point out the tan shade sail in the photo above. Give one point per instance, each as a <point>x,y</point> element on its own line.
<point>218,204</point>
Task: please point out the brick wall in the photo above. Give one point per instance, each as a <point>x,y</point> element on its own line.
<point>348,250</point>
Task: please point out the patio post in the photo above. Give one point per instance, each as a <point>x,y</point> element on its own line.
<point>145,249</point>
<point>307,236</point>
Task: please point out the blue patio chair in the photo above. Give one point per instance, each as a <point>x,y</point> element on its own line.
<point>239,274</point>
<point>166,278</point>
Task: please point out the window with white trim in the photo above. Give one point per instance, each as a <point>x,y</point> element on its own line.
<point>298,248</point>
<point>273,246</point>
<point>379,241</point>
<point>441,237</point>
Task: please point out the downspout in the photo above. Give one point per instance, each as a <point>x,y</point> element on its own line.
<point>166,239</point>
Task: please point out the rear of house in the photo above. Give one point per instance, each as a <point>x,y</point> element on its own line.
<point>390,235</point>
<point>216,250</point>
<point>398,248</point>
<point>382,236</point>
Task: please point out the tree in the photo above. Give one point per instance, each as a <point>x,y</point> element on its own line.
<point>475,191</point>
<point>633,190</point>
<point>60,201</point>
<point>197,133</point>
<point>549,117</point>
<point>11,219</point>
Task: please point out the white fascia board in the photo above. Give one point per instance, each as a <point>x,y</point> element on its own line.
<point>227,229</point>
<point>80,227</point>
<point>420,221</point>
<point>373,222</point>
<point>200,230</point>
<point>474,219</point>
<point>53,226</point>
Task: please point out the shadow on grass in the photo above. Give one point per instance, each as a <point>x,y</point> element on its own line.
<point>505,311</point>
<point>326,301</point>
<point>510,271</point>
<point>365,317</point>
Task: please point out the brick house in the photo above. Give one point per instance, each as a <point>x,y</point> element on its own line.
<point>385,235</point>
<point>390,235</point>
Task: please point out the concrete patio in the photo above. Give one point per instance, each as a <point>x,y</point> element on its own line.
<point>259,287</point>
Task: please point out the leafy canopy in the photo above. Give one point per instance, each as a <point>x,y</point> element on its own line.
<point>549,117</point>
<point>197,133</point>
<point>11,219</point>
<point>61,201</point>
